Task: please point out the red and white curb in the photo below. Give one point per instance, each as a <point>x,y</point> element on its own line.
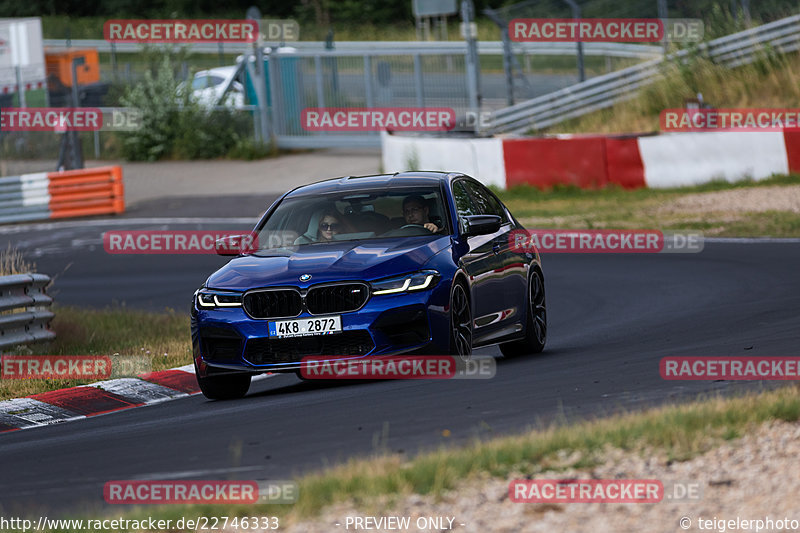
<point>99,398</point>
<point>590,161</point>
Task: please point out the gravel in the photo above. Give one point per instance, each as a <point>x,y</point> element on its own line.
<point>749,199</point>
<point>751,478</point>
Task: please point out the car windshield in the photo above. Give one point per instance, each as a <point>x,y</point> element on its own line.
<point>355,216</point>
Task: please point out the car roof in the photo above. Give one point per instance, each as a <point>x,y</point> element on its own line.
<point>398,180</point>
<point>220,71</point>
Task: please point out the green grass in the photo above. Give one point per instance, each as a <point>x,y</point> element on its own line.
<point>771,82</point>
<point>60,27</point>
<point>92,28</point>
<point>675,433</point>
<point>164,338</point>
<point>614,207</point>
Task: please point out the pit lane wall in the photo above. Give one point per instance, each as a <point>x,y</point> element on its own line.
<point>590,161</point>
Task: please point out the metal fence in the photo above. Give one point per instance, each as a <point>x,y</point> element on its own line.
<point>430,74</point>
<point>636,51</point>
<point>300,80</point>
<point>604,91</point>
<point>24,317</point>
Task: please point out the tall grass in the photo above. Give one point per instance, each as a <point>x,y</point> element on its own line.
<point>772,81</point>
<point>12,262</point>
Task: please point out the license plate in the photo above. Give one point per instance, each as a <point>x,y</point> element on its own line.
<point>303,327</point>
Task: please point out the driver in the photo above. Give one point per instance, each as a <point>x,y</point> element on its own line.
<point>415,211</point>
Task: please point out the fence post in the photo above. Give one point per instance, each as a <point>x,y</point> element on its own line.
<point>418,85</point>
<point>471,59</point>
<point>20,87</point>
<point>319,81</point>
<point>368,80</point>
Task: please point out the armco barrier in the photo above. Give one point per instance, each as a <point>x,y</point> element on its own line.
<point>73,193</point>
<point>23,319</point>
<point>588,161</point>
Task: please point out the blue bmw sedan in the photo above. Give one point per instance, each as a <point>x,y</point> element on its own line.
<point>354,267</point>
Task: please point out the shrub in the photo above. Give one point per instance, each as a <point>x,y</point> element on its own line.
<point>174,125</point>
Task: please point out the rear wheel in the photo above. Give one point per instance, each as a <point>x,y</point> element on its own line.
<point>223,386</point>
<point>536,322</point>
<point>460,322</point>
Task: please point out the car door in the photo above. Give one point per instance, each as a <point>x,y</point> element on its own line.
<point>507,283</point>
<point>479,263</point>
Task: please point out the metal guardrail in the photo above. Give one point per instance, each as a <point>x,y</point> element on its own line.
<point>604,91</point>
<point>637,51</point>
<point>23,318</point>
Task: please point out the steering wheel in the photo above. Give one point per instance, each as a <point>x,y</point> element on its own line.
<point>409,230</point>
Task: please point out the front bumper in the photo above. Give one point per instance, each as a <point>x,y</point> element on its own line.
<point>228,339</point>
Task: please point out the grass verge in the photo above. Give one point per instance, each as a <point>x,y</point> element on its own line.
<point>717,208</point>
<point>163,337</point>
<point>676,432</point>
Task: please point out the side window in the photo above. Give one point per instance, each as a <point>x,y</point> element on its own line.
<point>486,203</point>
<point>464,204</point>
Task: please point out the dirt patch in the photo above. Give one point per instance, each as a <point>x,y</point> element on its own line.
<point>750,199</point>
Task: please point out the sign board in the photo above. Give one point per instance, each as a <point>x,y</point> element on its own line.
<point>21,46</point>
<point>468,32</point>
<point>434,8</point>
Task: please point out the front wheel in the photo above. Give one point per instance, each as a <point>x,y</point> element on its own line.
<point>223,386</point>
<point>460,322</point>
<point>536,323</point>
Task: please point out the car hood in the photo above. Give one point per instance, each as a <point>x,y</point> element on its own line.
<point>352,260</point>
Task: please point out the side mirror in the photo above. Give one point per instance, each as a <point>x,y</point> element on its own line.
<point>236,244</point>
<point>481,224</point>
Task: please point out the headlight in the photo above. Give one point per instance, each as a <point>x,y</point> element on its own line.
<point>418,281</point>
<point>211,299</point>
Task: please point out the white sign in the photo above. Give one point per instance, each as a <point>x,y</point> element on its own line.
<point>21,46</point>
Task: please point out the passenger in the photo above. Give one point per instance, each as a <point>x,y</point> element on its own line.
<point>329,225</point>
<point>416,211</point>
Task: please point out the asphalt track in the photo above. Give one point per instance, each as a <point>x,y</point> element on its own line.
<point>612,317</point>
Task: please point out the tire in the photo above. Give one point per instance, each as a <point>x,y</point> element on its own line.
<point>535,323</point>
<point>223,386</point>
<point>460,322</point>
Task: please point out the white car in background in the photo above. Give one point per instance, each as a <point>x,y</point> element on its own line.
<point>209,85</point>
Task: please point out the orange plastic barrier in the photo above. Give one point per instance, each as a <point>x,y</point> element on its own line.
<point>88,191</point>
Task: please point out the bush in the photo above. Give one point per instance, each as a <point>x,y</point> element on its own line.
<point>174,125</point>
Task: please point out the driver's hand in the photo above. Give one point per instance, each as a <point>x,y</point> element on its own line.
<point>430,226</point>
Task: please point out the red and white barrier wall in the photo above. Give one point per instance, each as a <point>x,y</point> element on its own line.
<point>587,161</point>
<point>71,193</point>
<point>479,158</point>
